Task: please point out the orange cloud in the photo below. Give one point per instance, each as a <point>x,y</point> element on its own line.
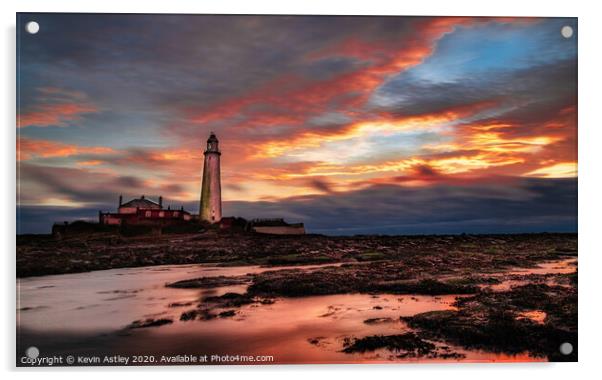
<point>560,170</point>
<point>382,126</point>
<point>30,148</point>
<point>90,163</point>
<point>290,100</point>
<point>487,149</point>
<point>53,114</point>
<point>270,121</point>
<point>493,148</point>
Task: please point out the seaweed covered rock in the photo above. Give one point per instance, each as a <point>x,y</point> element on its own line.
<point>494,321</point>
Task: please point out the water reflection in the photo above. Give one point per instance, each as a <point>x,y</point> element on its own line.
<point>87,312</point>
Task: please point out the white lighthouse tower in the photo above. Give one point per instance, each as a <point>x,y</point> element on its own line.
<point>211,191</point>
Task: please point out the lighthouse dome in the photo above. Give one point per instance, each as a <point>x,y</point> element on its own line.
<point>212,138</point>
<point>212,144</point>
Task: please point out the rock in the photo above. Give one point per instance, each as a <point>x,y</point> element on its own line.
<point>150,323</point>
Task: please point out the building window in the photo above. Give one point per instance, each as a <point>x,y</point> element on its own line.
<point>161,214</point>
<point>147,214</point>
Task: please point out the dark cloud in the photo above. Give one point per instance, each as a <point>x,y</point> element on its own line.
<point>321,185</point>
<point>189,60</point>
<point>83,185</point>
<point>425,170</point>
<point>512,205</point>
<point>39,219</point>
<point>129,182</point>
<point>526,205</point>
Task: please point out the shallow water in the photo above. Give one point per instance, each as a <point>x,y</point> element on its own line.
<point>550,267</point>
<point>112,299</point>
<point>86,313</point>
<point>565,266</point>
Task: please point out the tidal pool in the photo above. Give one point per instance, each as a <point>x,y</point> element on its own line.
<point>88,314</point>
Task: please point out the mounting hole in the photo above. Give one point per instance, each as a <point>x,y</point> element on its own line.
<point>32,27</point>
<point>566,31</point>
<point>566,348</point>
<point>32,352</point>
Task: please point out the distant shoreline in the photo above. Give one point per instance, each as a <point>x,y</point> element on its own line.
<point>387,235</point>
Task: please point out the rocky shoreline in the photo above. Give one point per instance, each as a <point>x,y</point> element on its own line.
<point>39,255</point>
<point>514,294</point>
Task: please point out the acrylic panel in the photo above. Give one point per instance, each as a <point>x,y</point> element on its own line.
<point>251,189</point>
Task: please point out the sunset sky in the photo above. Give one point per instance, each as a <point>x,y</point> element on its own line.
<point>349,124</point>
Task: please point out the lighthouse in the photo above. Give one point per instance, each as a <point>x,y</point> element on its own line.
<point>211,190</point>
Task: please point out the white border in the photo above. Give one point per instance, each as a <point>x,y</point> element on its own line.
<point>589,200</point>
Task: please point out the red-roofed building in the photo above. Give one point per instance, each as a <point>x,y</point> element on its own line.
<point>143,211</point>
